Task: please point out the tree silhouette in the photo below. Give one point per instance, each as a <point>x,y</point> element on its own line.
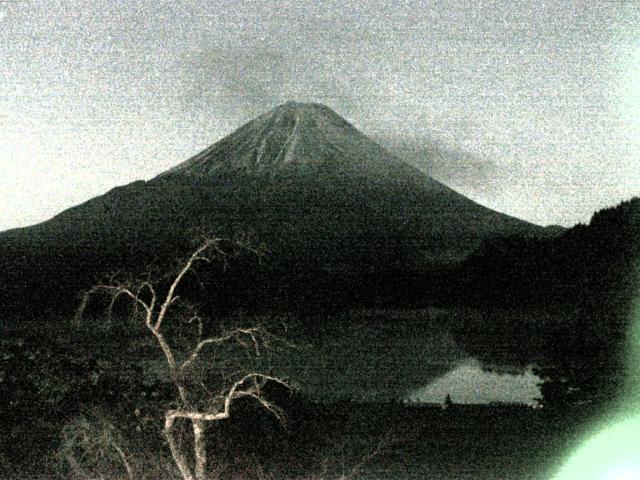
<point>196,404</point>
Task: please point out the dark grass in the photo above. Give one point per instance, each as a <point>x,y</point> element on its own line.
<point>383,440</point>
<point>363,440</point>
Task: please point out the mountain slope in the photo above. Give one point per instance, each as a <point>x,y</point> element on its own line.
<point>294,136</point>
<point>328,202</point>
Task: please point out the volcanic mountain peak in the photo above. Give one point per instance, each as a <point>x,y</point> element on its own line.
<point>334,209</point>
<point>300,136</point>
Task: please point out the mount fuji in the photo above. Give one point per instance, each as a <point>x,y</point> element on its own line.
<point>328,203</point>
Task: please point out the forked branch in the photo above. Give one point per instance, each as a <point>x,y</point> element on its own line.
<point>145,295</point>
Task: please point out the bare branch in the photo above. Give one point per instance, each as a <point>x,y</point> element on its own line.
<point>235,388</point>
<point>195,257</point>
<point>115,291</point>
<point>216,341</point>
<point>198,320</point>
<point>270,407</point>
<point>234,392</point>
<point>114,299</point>
<point>145,296</point>
<point>77,318</point>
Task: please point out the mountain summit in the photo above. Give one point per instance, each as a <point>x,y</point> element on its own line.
<point>334,209</point>
<point>302,136</point>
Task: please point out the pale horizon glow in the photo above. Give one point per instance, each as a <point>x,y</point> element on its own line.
<point>539,103</point>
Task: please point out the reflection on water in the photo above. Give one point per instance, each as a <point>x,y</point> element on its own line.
<point>469,383</point>
<point>375,358</point>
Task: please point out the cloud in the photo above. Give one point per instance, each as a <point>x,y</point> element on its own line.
<point>244,81</point>
<point>452,166</point>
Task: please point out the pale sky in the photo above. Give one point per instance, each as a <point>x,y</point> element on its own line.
<point>536,105</point>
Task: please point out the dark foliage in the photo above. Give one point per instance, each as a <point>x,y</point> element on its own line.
<point>581,286</point>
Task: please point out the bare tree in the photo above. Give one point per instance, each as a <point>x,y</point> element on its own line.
<point>96,439</point>
<point>155,308</point>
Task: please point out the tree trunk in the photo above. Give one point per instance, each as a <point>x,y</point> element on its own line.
<point>200,449</point>
<point>178,457</point>
<point>125,462</point>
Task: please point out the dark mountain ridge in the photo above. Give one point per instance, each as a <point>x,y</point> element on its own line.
<point>328,203</point>
<point>570,300</point>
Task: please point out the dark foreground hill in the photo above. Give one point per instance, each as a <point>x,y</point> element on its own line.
<point>570,297</point>
<point>331,206</point>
